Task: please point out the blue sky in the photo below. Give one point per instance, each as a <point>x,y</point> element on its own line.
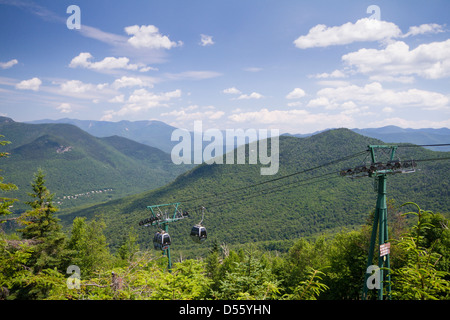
<point>296,66</point>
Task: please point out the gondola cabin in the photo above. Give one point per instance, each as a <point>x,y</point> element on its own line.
<point>161,240</point>
<point>198,233</point>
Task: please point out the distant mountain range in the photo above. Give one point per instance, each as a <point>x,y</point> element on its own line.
<point>78,165</point>
<point>393,134</point>
<point>157,134</point>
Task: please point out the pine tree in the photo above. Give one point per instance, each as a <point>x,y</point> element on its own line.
<point>42,228</point>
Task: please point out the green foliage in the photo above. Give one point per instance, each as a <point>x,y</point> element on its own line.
<point>421,278</point>
<point>87,246</point>
<point>5,203</point>
<point>248,279</point>
<point>309,289</point>
<point>326,268</point>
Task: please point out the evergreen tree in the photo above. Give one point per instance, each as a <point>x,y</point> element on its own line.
<point>88,247</point>
<point>42,228</point>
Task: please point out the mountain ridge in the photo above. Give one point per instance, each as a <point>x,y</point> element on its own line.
<point>76,162</point>
<point>157,133</point>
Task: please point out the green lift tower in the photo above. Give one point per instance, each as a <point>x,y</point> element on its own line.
<point>379,171</point>
<point>161,216</point>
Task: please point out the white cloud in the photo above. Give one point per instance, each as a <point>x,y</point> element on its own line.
<point>31,84</point>
<point>388,78</point>
<point>64,108</point>
<point>430,61</point>
<point>319,102</point>
<point>77,86</point>
<point>117,99</point>
<point>206,40</point>
<point>297,120</point>
<point>145,69</point>
<point>424,28</point>
<point>414,124</point>
<point>141,100</point>
<point>9,64</point>
<point>253,95</point>
<point>232,90</point>
<point>374,94</point>
<point>297,93</point>
<point>184,114</point>
<point>334,74</point>
<point>108,63</point>
<point>362,30</point>
<point>149,37</point>
<point>131,82</point>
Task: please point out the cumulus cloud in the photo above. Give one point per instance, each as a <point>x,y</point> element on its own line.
<point>296,120</point>
<point>431,60</point>
<point>9,64</point>
<point>424,28</point>
<point>362,30</point>
<point>108,63</point>
<point>149,37</point>
<point>141,100</point>
<point>31,84</point>
<point>334,74</point>
<point>131,82</point>
<point>64,108</point>
<point>253,95</point>
<point>297,93</point>
<point>365,29</point>
<point>414,124</point>
<point>206,40</point>
<point>186,114</point>
<point>77,86</point>
<point>374,94</point>
<point>232,90</point>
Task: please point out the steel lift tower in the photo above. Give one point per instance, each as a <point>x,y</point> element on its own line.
<point>162,217</point>
<point>379,171</point>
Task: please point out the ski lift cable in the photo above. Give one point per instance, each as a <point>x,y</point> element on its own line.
<point>287,186</point>
<point>424,145</point>
<point>270,190</point>
<point>209,195</point>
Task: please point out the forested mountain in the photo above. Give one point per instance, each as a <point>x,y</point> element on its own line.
<point>79,167</point>
<point>273,213</point>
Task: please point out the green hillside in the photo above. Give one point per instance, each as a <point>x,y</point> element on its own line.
<point>275,213</point>
<point>80,168</point>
